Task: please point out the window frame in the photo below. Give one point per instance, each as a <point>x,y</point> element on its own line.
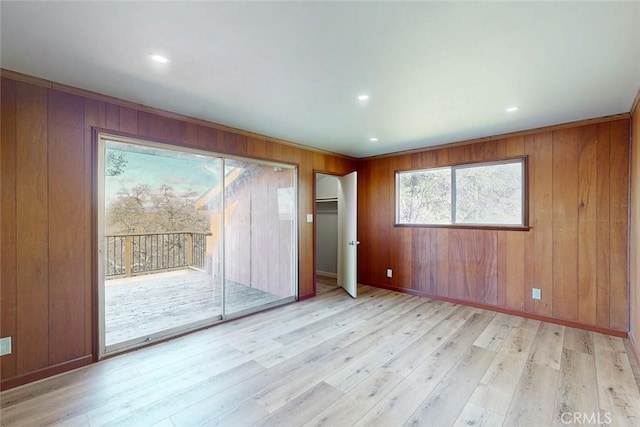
<point>524,226</point>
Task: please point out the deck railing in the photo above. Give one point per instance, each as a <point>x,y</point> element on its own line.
<point>142,253</point>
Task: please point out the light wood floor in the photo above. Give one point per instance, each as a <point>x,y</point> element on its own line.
<point>385,359</point>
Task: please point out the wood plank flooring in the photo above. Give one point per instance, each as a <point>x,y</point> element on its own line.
<point>384,359</point>
<point>325,284</point>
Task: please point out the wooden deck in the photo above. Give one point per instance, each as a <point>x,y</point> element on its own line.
<point>139,306</point>
<point>384,359</point>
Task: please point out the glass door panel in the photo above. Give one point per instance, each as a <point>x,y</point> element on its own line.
<point>260,235</point>
<point>160,223</point>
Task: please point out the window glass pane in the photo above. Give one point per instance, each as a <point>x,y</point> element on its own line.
<point>259,234</point>
<point>489,194</point>
<point>425,197</point>
<point>484,194</point>
<point>158,238</point>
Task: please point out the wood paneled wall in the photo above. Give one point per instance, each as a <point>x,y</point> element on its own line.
<point>634,228</point>
<point>575,252</point>
<point>47,285</point>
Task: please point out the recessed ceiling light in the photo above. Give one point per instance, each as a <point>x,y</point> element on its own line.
<point>373,139</point>
<point>512,109</point>
<point>159,58</point>
<point>363,97</point>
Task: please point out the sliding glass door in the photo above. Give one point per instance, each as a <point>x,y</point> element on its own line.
<point>259,242</point>
<point>187,238</point>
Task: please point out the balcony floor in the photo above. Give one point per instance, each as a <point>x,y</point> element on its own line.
<point>139,306</point>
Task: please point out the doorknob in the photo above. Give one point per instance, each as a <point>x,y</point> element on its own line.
<point>354,242</point>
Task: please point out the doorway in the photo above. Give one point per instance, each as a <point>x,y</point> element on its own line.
<point>335,232</point>
<point>187,238</point>
<point>326,233</point>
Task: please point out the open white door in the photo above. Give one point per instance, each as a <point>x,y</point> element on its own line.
<point>347,233</point>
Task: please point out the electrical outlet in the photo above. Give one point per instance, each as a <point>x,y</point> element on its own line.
<point>5,346</point>
<point>389,272</point>
<point>535,293</point>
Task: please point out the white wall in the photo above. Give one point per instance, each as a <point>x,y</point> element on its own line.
<point>326,186</point>
<point>326,224</point>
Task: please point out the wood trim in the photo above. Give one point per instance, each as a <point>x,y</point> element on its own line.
<point>313,235</point>
<point>159,112</point>
<point>95,297</point>
<point>306,296</point>
<point>492,162</point>
<point>13,75</point>
<point>570,323</point>
<point>46,372</point>
<point>527,196</point>
<point>466,227</point>
<point>634,221</point>
<point>527,132</point>
<point>636,101</point>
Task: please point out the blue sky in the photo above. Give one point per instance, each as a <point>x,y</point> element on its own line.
<point>155,167</point>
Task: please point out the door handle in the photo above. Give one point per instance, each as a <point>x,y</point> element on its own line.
<point>354,242</point>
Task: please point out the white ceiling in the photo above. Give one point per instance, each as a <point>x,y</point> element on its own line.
<point>436,72</point>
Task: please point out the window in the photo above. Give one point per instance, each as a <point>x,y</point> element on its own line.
<point>489,194</point>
